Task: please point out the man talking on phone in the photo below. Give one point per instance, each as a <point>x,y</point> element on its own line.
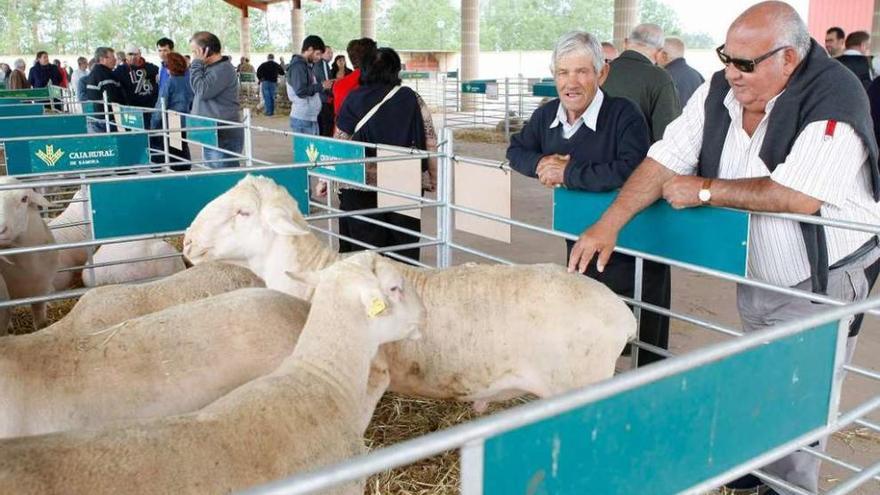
<point>215,86</point>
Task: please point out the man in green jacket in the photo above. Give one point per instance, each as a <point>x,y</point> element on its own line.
<point>634,75</point>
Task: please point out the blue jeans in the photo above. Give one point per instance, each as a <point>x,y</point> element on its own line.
<point>304,126</point>
<point>229,140</point>
<point>269,89</point>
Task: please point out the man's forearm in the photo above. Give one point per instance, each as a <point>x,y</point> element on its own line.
<point>761,194</point>
<point>641,190</point>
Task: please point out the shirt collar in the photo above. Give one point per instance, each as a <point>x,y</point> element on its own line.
<point>852,52</point>
<point>590,117</point>
<point>735,108</point>
<point>636,56</point>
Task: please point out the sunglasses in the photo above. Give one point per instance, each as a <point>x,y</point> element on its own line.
<point>742,64</point>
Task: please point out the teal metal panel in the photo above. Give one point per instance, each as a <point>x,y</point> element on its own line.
<point>208,136</point>
<point>20,111</point>
<point>42,126</point>
<point>668,435</point>
<point>415,74</point>
<point>68,154</point>
<point>709,237</point>
<point>306,149</point>
<point>171,203</point>
<point>477,86</point>
<point>545,89</point>
<point>132,117</point>
<point>25,93</point>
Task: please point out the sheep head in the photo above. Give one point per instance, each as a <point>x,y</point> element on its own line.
<point>238,225</point>
<point>377,290</point>
<point>15,207</point>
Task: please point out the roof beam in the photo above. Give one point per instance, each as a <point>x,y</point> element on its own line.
<point>248,3</point>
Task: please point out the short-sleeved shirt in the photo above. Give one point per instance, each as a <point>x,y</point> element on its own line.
<point>831,168</point>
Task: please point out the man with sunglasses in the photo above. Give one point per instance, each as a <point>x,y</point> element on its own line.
<point>783,128</point>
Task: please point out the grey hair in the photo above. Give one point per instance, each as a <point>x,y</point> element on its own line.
<point>781,18</point>
<point>20,64</point>
<point>578,42</point>
<point>647,34</point>
<point>793,32</point>
<point>103,51</point>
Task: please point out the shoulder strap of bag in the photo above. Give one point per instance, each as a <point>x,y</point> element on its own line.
<point>375,109</point>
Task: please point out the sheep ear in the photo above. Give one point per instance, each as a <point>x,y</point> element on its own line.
<point>281,223</point>
<point>37,199</point>
<point>374,303</point>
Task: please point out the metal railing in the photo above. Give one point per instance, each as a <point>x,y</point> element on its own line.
<point>468,437</point>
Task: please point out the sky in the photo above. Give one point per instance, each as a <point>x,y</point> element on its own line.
<point>714,17</point>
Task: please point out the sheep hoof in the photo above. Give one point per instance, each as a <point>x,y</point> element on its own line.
<point>481,406</point>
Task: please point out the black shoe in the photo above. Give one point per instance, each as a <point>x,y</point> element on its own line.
<point>747,482</point>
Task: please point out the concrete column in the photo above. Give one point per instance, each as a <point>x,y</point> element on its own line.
<point>245,33</point>
<point>297,25</point>
<point>368,19</point>
<point>875,30</point>
<point>470,47</point>
<point>626,17</point>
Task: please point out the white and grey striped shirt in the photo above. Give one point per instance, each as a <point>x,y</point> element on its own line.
<point>831,169</point>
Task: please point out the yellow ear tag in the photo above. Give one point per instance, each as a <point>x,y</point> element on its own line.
<point>377,307</point>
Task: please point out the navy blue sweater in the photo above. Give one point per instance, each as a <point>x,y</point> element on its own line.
<point>601,160</point>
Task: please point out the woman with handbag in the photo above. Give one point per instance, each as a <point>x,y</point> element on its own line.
<point>382,111</point>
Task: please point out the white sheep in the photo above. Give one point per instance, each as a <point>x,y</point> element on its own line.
<point>27,274</point>
<point>493,332</point>
<point>105,306</point>
<point>304,415</point>
<point>66,231</point>
<point>170,362</point>
<point>67,228</point>
<point>119,270</point>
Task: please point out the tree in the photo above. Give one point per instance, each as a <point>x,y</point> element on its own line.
<point>537,24</point>
<point>657,12</point>
<point>336,23</point>
<point>416,24</point>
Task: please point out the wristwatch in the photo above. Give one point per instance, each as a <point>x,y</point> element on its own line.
<point>705,194</point>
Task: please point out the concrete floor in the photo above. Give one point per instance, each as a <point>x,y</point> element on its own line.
<point>693,294</point>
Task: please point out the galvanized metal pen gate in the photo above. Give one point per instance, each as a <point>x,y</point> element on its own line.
<point>608,438</point>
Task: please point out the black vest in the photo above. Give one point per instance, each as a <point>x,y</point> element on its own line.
<point>859,65</point>
<point>819,89</point>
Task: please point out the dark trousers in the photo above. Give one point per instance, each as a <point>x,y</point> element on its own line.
<point>619,276</point>
<point>326,120</point>
<point>350,200</point>
<point>157,143</point>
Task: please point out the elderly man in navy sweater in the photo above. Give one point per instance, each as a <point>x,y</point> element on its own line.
<point>589,141</point>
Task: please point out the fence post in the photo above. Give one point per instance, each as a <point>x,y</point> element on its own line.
<point>248,138</point>
<point>507,108</point>
<point>165,133</point>
<point>637,295</point>
<point>444,97</point>
<point>522,87</point>
<point>88,274</point>
<point>106,113</point>
<point>444,195</point>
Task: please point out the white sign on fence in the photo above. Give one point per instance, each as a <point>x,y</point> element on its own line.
<point>485,189</point>
<point>492,91</point>
<point>403,176</point>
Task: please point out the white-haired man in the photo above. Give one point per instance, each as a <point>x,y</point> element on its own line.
<point>685,77</point>
<point>588,141</point>
<point>762,135</point>
<point>634,75</point>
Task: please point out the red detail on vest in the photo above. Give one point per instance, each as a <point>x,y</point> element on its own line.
<point>829,129</point>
